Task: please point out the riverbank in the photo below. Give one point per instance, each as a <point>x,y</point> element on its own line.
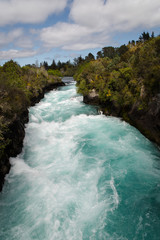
<point>20,88</point>
<point>126,85</point>
<point>147,122</point>
<point>16,133</point>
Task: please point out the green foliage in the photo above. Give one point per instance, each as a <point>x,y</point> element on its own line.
<point>157,45</point>
<point>70,71</point>
<point>90,57</point>
<point>12,73</point>
<point>126,73</point>
<point>109,52</point>
<point>119,75</point>
<point>112,52</point>
<point>145,36</point>
<point>18,86</point>
<point>55,72</point>
<point>83,88</point>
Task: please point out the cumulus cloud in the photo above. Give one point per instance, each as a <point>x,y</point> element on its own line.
<point>13,53</point>
<point>24,42</point>
<point>30,11</point>
<point>93,22</point>
<point>113,15</point>
<point>64,35</point>
<point>17,38</point>
<point>68,36</point>
<point>6,38</point>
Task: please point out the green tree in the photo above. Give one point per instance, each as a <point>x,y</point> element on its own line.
<point>99,54</point>
<point>109,52</point>
<point>89,57</point>
<point>53,65</point>
<point>152,35</point>
<point>79,60</point>
<point>45,65</point>
<point>144,37</point>
<point>122,50</point>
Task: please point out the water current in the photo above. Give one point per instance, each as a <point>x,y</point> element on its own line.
<point>81,176</point>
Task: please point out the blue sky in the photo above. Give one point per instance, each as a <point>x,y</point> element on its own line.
<point>44,30</point>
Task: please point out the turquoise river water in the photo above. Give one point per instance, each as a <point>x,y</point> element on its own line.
<point>81,176</point>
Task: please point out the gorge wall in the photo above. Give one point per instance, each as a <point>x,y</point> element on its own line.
<point>146,121</point>
<point>16,133</point>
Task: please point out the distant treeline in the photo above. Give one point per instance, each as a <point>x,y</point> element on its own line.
<point>69,68</point>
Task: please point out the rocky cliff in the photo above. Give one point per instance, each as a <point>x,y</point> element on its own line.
<point>16,132</point>
<point>146,121</point>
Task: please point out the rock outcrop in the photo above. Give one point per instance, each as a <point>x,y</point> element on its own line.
<point>92,98</point>
<point>146,121</point>
<point>16,132</point>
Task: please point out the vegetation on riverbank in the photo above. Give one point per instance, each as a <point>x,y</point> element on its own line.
<point>125,79</point>
<point>19,86</point>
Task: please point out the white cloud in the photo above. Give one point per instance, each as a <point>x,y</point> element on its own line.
<point>95,21</point>
<point>12,54</point>
<point>91,23</point>
<point>63,34</point>
<point>82,46</point>
<point>113,15</point>
<point>28,11</point>
<point>6,38</point>
<point>16,38</point>
<point>69,36</point>
<point>24,42</point>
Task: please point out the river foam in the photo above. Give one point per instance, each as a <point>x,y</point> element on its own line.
<point>81,175</point>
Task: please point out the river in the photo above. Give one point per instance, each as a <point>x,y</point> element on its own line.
<point>81,176</point>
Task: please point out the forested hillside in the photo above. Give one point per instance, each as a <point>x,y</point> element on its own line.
<point>125,82</point>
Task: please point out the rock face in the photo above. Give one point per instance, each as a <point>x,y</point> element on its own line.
<point>16,133</point>
<point>92,98</point>
<point>146,121</point>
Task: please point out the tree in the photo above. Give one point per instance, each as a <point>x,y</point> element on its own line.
<point>99,54</point>
<point>53,65</point>
<point>89,57</point>
<point>109,52</point>
<point>133,42</point>
<point>144,37</point>
<point>45,65</point>
<point>59,65</point>
<point>122,50</point>
<point>78,60</point>
<point>152,35</point>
